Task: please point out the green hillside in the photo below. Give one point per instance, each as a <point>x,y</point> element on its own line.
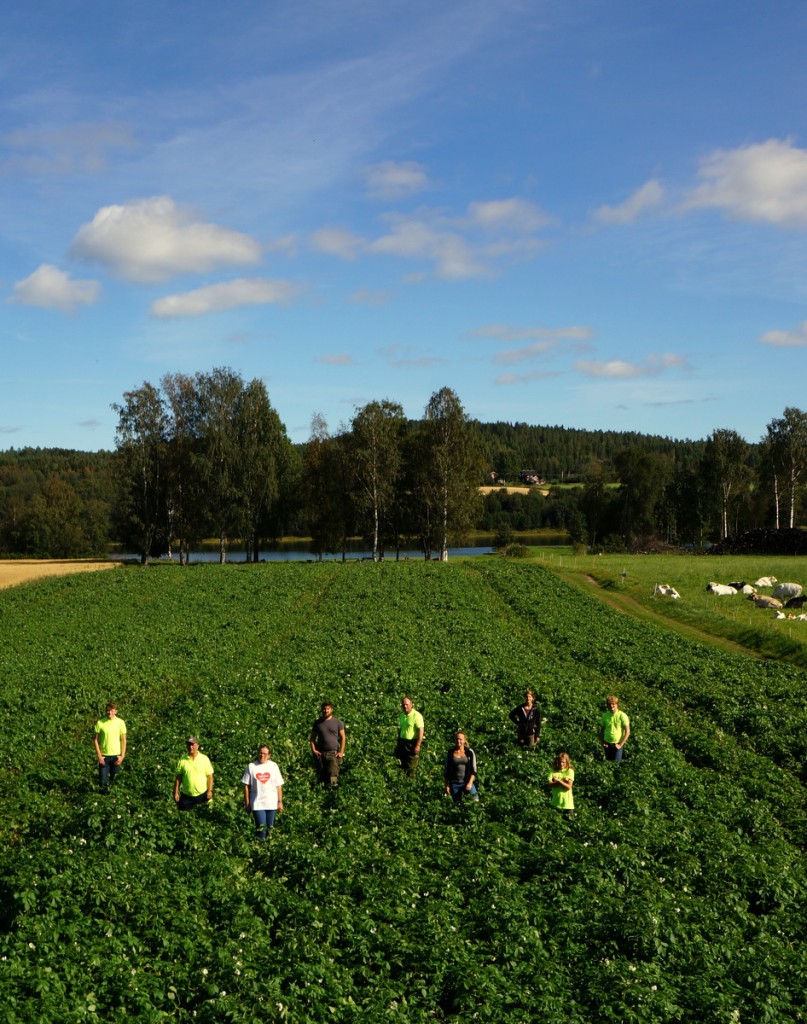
<point>676,894</point>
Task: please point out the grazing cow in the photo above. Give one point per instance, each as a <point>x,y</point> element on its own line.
<point>720,589</point>
<point>763,601</point>
<point>665,590</point>
<point>766,581</point>
<point>787,590</point>
<point>795,602</point>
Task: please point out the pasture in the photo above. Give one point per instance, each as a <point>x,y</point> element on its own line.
<point>630,579</point>
<point>676,894</point>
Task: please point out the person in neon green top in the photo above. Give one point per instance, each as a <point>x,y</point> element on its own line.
<point>410,737</point>
<point>193,784</point>
<point>614,730</point>
<point>560,783</point>
<point>110,745</point>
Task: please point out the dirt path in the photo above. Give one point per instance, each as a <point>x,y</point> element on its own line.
<point>17,571</point>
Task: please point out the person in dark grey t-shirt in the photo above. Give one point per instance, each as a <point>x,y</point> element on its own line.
<point>328,745</point>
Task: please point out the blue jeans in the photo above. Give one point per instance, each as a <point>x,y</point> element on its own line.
<point>613,752</point>
<point>458,791</point>
<point>264,822</point>
<point>107,770</point>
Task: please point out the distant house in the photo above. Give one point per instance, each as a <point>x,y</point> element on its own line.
<point>530,477</point>
<point>495,479</point>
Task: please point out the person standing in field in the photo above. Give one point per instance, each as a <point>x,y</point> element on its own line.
<point>527,720</point>
<point>193,784</point>
<point>263,791</point>
<point>110,745</point>
<point>561,781</point>
<point>460,770</point>
<point>410,737</point>
<point>614,730</point>
<point>328,745</point>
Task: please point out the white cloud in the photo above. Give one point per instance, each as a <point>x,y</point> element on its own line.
<point>452,255</point>
<point>518,215</point>
<point>337,242</point>
<point>620,369</point>
<point>51,288</point>
<point>214,298</point>
<point>644,198</point>
<point>389,180</point>
<point>152,240</point>
<point>796,338</point>
<point>764,183</point>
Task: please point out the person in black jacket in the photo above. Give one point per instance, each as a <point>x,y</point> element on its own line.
<point>527,719</point>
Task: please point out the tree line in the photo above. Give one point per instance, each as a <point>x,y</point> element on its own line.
<point>206,455</point>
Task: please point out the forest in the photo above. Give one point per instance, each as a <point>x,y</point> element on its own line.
<point>207,456</point>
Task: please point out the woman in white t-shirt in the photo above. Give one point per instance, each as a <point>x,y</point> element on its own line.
<point>263,791</point>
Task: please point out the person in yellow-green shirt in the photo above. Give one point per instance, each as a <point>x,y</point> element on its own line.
<point>614,730</point>
<point>193,784</point>
<point>410,737</point>
<point>110,745</point>
<point>561,781</point>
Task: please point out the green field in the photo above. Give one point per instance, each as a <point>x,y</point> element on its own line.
<point>676,894</point>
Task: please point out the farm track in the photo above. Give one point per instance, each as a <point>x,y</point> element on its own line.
<point>628,605</point>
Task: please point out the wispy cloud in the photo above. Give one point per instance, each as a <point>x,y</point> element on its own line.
<point>152,240</point>
<point>514,215</point>
<point>403,356</point>
<point>541,340</point>
<point>647,197</point>
<point>79,148</point>
<point>620,369</point>
<point>370,297</point>
<point>764,183</point>
<point>336,359</point>
<point>525,378</point>
<point>391,181</point>
<point>337,242</point>
<point>225,295</point>
<point>797,338</point>
<point>51,288</point>
<point>507,332</point>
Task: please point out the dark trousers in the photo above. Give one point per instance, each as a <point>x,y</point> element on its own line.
<point>108,770</point>
<point>405,753</point>
<point>328,763</point>
<point>187,803</point>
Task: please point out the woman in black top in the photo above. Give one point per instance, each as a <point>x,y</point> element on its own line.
<point>460,770</point>
<point>527,719</point>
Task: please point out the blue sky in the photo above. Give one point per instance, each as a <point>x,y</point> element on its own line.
<point>585,213</point>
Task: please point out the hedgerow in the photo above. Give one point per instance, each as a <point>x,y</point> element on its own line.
<point>677,893</point>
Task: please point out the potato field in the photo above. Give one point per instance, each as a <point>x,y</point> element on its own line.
<point>677,893</point>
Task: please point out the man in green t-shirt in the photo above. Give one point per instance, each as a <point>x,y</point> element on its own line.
<point>410,737</point>
<point>193,784</point>
<point>614,730</point>
<point>110,745</point>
